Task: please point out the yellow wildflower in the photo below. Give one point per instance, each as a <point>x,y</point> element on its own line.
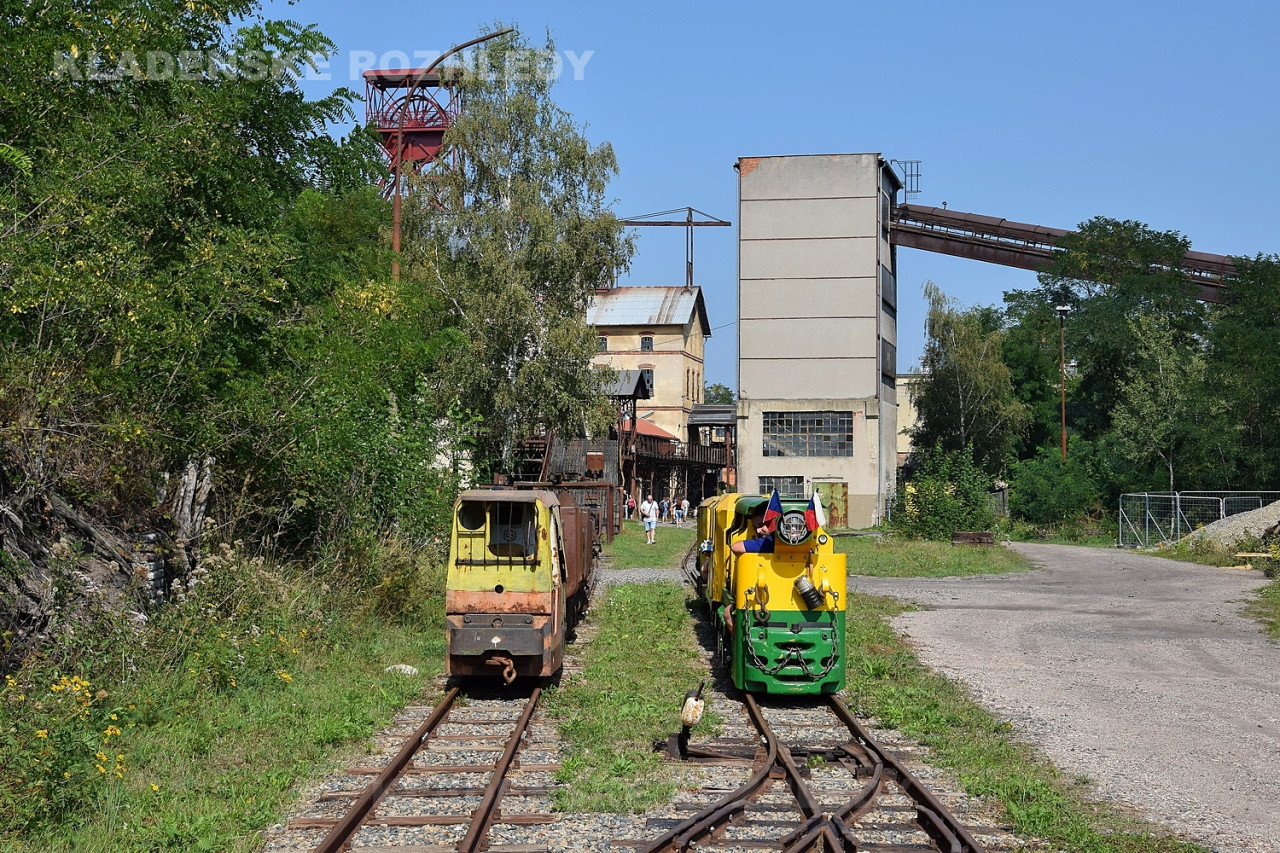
<point>284,676</point>
<point>42,733</point>
<point>101,769</point>
<point>155,787</point>
<point>101,756</point>
<point>112,730</point>
<point>114,717</point>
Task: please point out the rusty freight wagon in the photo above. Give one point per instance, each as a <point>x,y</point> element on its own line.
<point>520,564</point>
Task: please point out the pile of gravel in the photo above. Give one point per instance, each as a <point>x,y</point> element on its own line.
<point>1234,528</point>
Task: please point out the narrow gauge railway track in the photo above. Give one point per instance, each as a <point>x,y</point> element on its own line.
<point>443,791</point>
<point>818,779</point>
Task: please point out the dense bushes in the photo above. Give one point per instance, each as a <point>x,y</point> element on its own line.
<point>946,492</point>
<point>131,724</point>
<point>1047,490</point>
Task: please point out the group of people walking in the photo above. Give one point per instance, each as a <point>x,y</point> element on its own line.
<point>674,510</point>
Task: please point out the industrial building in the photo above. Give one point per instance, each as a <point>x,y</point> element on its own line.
<point>817,312</point>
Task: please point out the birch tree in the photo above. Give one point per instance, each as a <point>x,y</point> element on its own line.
<point>513,241</point>
<point>965,397</point>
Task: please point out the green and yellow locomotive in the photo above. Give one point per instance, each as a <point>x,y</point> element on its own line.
<point>776,591</point>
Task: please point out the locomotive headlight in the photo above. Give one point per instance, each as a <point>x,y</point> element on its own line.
<point>792,529</point>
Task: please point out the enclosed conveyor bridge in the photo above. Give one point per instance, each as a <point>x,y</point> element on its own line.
<point>1028,247</point>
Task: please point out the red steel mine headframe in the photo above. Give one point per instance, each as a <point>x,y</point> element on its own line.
<point>434,104</point>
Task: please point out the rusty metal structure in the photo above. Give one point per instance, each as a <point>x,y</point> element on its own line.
<point>598,473</point>
<point>429,102</point>
<point>1018,244</point>
<point>688,224</point>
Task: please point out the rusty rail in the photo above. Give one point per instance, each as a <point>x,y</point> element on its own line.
<point>340,835</point>
<point>931,814</point>
<point>483,815</point>
<point>831,829</point>
<point>689,830</point>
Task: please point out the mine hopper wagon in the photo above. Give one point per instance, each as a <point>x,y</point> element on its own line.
<point>779,617</point>
<point>520,573</point>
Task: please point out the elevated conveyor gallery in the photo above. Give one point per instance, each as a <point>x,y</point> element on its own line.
<point>1017,244</point>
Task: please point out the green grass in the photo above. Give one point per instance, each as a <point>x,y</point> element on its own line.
<point>636,671</point>
<point>894,557</point>
<point>629,551</point>
<point>1266,609</point>
<point>1094,531</point>
<point>224,704</point>
<point>887,681</point>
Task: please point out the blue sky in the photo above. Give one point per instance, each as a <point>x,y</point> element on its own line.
<point>1048,113</point>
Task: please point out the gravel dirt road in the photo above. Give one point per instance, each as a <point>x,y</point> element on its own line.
<point>1135,671</point>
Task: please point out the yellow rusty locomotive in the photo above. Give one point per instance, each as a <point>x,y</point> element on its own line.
<point>776,592</point>
<point>520,571</point>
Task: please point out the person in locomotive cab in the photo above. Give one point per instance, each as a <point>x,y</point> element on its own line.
<point>762,542</point>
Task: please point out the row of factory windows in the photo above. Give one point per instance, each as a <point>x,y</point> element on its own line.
<point>825,433</point>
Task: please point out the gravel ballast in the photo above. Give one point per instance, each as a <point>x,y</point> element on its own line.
<point>1135,671</point>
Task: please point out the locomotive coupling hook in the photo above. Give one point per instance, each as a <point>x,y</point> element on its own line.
<point>508,667</point>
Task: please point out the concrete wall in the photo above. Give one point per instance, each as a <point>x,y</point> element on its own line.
<point>817,313</point>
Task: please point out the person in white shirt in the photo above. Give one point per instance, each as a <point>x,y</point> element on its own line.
<point>649,515</point>
<point>684,508</point>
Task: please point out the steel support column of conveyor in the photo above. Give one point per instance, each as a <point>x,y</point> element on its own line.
<point>1021,245</point>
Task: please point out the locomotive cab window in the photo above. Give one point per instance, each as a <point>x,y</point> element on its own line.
<point>513,529</point>
<point>471,515</point>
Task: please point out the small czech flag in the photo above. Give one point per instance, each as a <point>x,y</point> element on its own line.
<point>814,515</point>
<point>774,512</point>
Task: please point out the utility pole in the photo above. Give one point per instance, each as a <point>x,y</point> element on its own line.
<point>1063,311</point>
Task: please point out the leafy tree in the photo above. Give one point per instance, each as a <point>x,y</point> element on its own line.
<point>965,397</point>
<point>1030,348</point>
<point>1243,366</point>
<point>1110,272</point>
<point>512,243</point>
<point>946,492</point>
<point>1046,490</point>
<point>718,394</point>
<point>142,272</point>
<point>1155,408</point>
<point>13,165</point>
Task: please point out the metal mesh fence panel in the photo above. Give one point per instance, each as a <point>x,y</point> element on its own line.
<point>1149,518</point>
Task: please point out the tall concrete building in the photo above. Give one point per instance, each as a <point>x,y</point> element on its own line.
<point>817,333</point>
